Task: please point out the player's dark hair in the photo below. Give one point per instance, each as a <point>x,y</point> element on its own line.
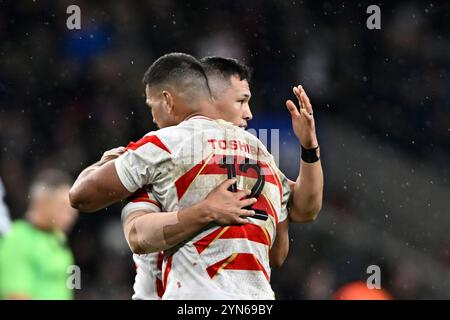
<point>226,67</point>
<point>179,70</point>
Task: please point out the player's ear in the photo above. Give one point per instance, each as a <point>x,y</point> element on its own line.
<point>168,101</point>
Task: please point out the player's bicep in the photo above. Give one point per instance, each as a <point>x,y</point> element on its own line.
<point>100,189</point>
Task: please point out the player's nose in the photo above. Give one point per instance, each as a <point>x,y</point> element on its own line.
<point>247,115</point>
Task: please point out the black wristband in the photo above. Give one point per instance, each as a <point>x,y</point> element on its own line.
<point>310,155</point>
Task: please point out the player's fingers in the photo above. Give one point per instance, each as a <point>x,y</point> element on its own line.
<point>307,115</point>
<point>305,100</point>
<point>297,92</point>
<point>292,108</point>
<point>242,194</point>
<point>247,202</point>
<point>116,152</point>
<point>118,149</point>
<point>245,213</point>
<point>239,220</point>
<point>227,183</point>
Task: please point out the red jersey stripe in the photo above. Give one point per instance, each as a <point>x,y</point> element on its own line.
<point>211,166</point>
<point>238,261</point>
<point>148,139</point>
<point>166,272</point>
<point>206,241</point>
<point>159,283</point>
<point>147,200</point>
<point>248,231</point>
<point>183,183</point>
<point>264,204</point>
<point>141,195</point>
<point>218,266</point>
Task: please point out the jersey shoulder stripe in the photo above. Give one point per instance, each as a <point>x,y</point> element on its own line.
<point>148,139</point>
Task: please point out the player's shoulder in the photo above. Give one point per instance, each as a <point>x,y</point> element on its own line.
<point>160,138</point>
<point>185,131</point>
<point>170,138</point>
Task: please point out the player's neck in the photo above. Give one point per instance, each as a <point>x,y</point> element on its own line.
<point>200,107</point>
<point>196,114</point>
<point>205,110</point>
<point>38,222</point>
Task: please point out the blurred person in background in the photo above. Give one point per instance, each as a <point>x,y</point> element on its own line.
<point>34,257</point>
<point>5,222</point>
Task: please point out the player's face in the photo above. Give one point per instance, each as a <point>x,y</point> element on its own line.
<point>233,103</point>
<point>155,101</point>
<point>61,213</point>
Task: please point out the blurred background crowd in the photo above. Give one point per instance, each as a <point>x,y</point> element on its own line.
<point>382,108</point>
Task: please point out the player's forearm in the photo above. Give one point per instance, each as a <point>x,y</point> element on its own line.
<point>97,187</point>
<point>307,193</point>
<point>152,232</point>
<point>191,220</point>
<point>76,193</point>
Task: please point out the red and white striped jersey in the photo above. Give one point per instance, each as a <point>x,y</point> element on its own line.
<point>148,280</point>
<point>183,164</point>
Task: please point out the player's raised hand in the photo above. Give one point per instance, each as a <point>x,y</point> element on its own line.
<point>302,119</point>
<point>112,154</point>
<point>226,206</point>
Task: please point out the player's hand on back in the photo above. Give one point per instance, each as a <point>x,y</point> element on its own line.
<point>303,119</point>
<point>226,207</point>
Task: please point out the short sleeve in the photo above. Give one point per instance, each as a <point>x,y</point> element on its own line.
<point>140,164</point>
<point>142,199</point>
